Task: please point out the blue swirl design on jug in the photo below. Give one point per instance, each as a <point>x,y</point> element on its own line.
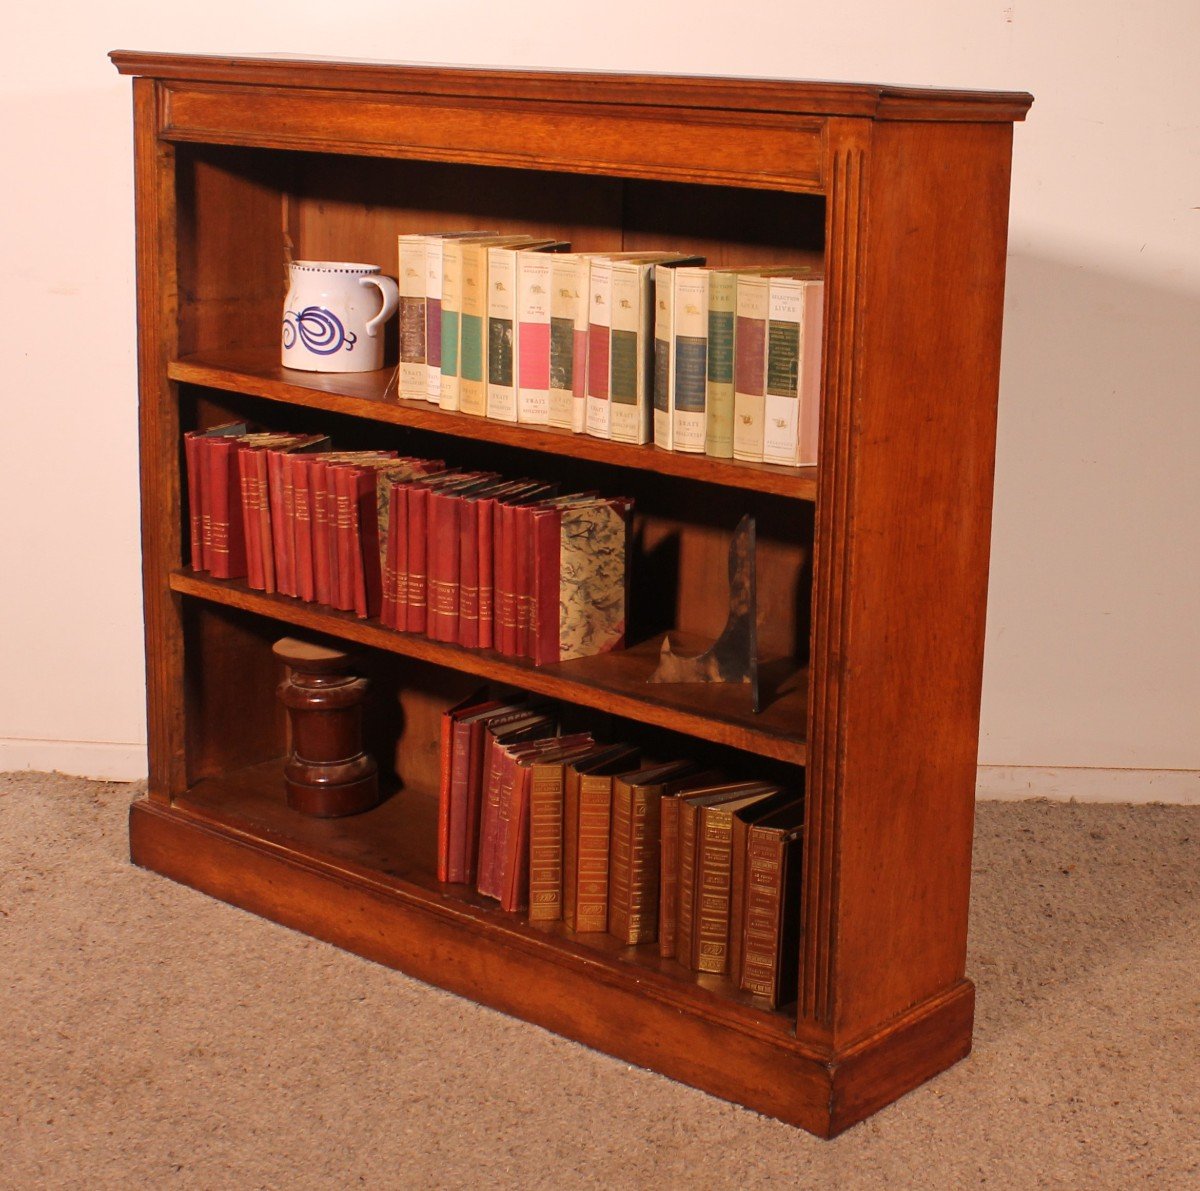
<point>318,329</point>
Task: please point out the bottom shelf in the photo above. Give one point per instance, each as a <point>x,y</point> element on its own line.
<point>362,884</point>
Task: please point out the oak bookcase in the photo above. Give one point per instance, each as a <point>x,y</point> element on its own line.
<point>872,566</point>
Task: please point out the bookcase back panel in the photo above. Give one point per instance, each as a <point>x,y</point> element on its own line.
<point>243,212</point>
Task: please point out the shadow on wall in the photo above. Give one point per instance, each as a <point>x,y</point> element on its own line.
<point>1093,654</point>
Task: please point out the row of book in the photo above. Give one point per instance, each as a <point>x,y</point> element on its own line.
<point>635,347</point>
<point>466,557</point>
<point>594,835</point>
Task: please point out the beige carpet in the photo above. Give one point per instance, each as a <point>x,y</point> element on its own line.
<point>154,1037</point>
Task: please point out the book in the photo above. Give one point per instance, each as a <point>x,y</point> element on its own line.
<point>793,392</point>
<point>718,389</point>
<point>713,881</point>
<point>668,875</point>
<point>750,366</point>
<point>587,806</point>
<point>533,337</point>
<point>631,351</point>
<point>770,927</point>
<point>501,334</point>
<point>196,461</point>
<point>688,364</point>
<point>743,820</point>
<point>497,771</point>
<point>634,852</point>
<point>224,546</point>
<point>690,805</point>
<point>568,352</point>
<point>598,411</point>
<point>580,579</point>
<point>453,766</point>
<point>411,279</point>
<point>512,842</point>
<point>434,255</point>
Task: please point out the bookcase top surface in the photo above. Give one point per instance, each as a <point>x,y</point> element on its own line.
<point>868,100</point>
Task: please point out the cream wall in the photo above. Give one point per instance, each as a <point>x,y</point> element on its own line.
<point>1093,658</point>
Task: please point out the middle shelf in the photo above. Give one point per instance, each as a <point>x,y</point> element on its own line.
<point>612,682</point>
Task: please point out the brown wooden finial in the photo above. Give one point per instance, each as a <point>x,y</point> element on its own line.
<point>327,773</point>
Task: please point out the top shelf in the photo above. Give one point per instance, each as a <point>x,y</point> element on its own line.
<point>257,373</point>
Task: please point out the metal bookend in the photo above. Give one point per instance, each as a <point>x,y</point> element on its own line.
<point>733,656</point>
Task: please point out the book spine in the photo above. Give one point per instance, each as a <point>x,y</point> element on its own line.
<point>719,392</point>
<point>664,319</point>
<point>302,542</point>
<point>476,778</point>
<point>398,533</point>
<point>281,543</point>
<point>781,407</point>
<point>457,799</point>
<point>631,353</point>
<point>591,889</point>
<point>514,862</point>
<point>685,905</point>
<point>737,898</point>
<point>443,552</point>
<point>489,822</point>
<point>487,573</point>
<point>580,340</point>
<point>449,397</point>
<point>545,843</point>
<point>764,889</point>
<point>319,512</point>
<point>446,766</point>
<point>502,357</point>
<point>194,456</point>
<point>343,504</point>
<point>387,569</point>
<point>433,319</point>
<point>413,380</point>
<point>620,862</point>
<point>416,608</point>
<point>225,551</point>
<point>811,364</point>
<point>468,573</point>
<point>599,409</point>
<point>570,848</point>
<point>504,637</point>
<point>710,914</point>
<point>645,829</point>
<point>248,485</point>
<point>365,535</point>
<point>522,545</point>
<point>668,876</point>
<point>262,502</point>
<point>750,367</point>
<point>689,363</point>
<point>533,337</point>
<point>473,348</point>
<point>564,298</point>
<point>547,528</point>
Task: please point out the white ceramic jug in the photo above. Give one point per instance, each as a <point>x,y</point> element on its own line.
<point>334,314</point>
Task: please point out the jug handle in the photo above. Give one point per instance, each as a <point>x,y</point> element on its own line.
<point>391,299</point>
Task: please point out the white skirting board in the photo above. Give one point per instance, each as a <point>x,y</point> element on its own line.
<point>127,763</point>
<point>1010,783</point>
<point>101,760</point>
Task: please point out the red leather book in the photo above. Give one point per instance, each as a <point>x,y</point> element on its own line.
<point>580,579</point>
<point>340,485</point>
<point>504,607</point>
<point>443,562</point>
<point>479,738</point>
<point>522,547</point>
<point>296,467</point>
<point>417,617</point>
<point>196,459</point>
<point>533,725</point>
<point>279,500</point>
<point>251,532</point>
<point>474,513</point>
<point>397,614</point>
<point>380,533</point>
<point>318,498</point>
<point>488,519</point>
<point>452,767</point>
<point>225,551</point>
<point>512,834</point>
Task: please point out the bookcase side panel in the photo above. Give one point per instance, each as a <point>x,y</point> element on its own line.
<point>915,557</point>
<point>158,429</point>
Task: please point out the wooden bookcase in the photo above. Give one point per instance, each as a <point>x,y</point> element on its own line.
<point>872,567</point>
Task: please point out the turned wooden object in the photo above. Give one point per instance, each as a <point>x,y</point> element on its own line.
<point>327,773</point>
